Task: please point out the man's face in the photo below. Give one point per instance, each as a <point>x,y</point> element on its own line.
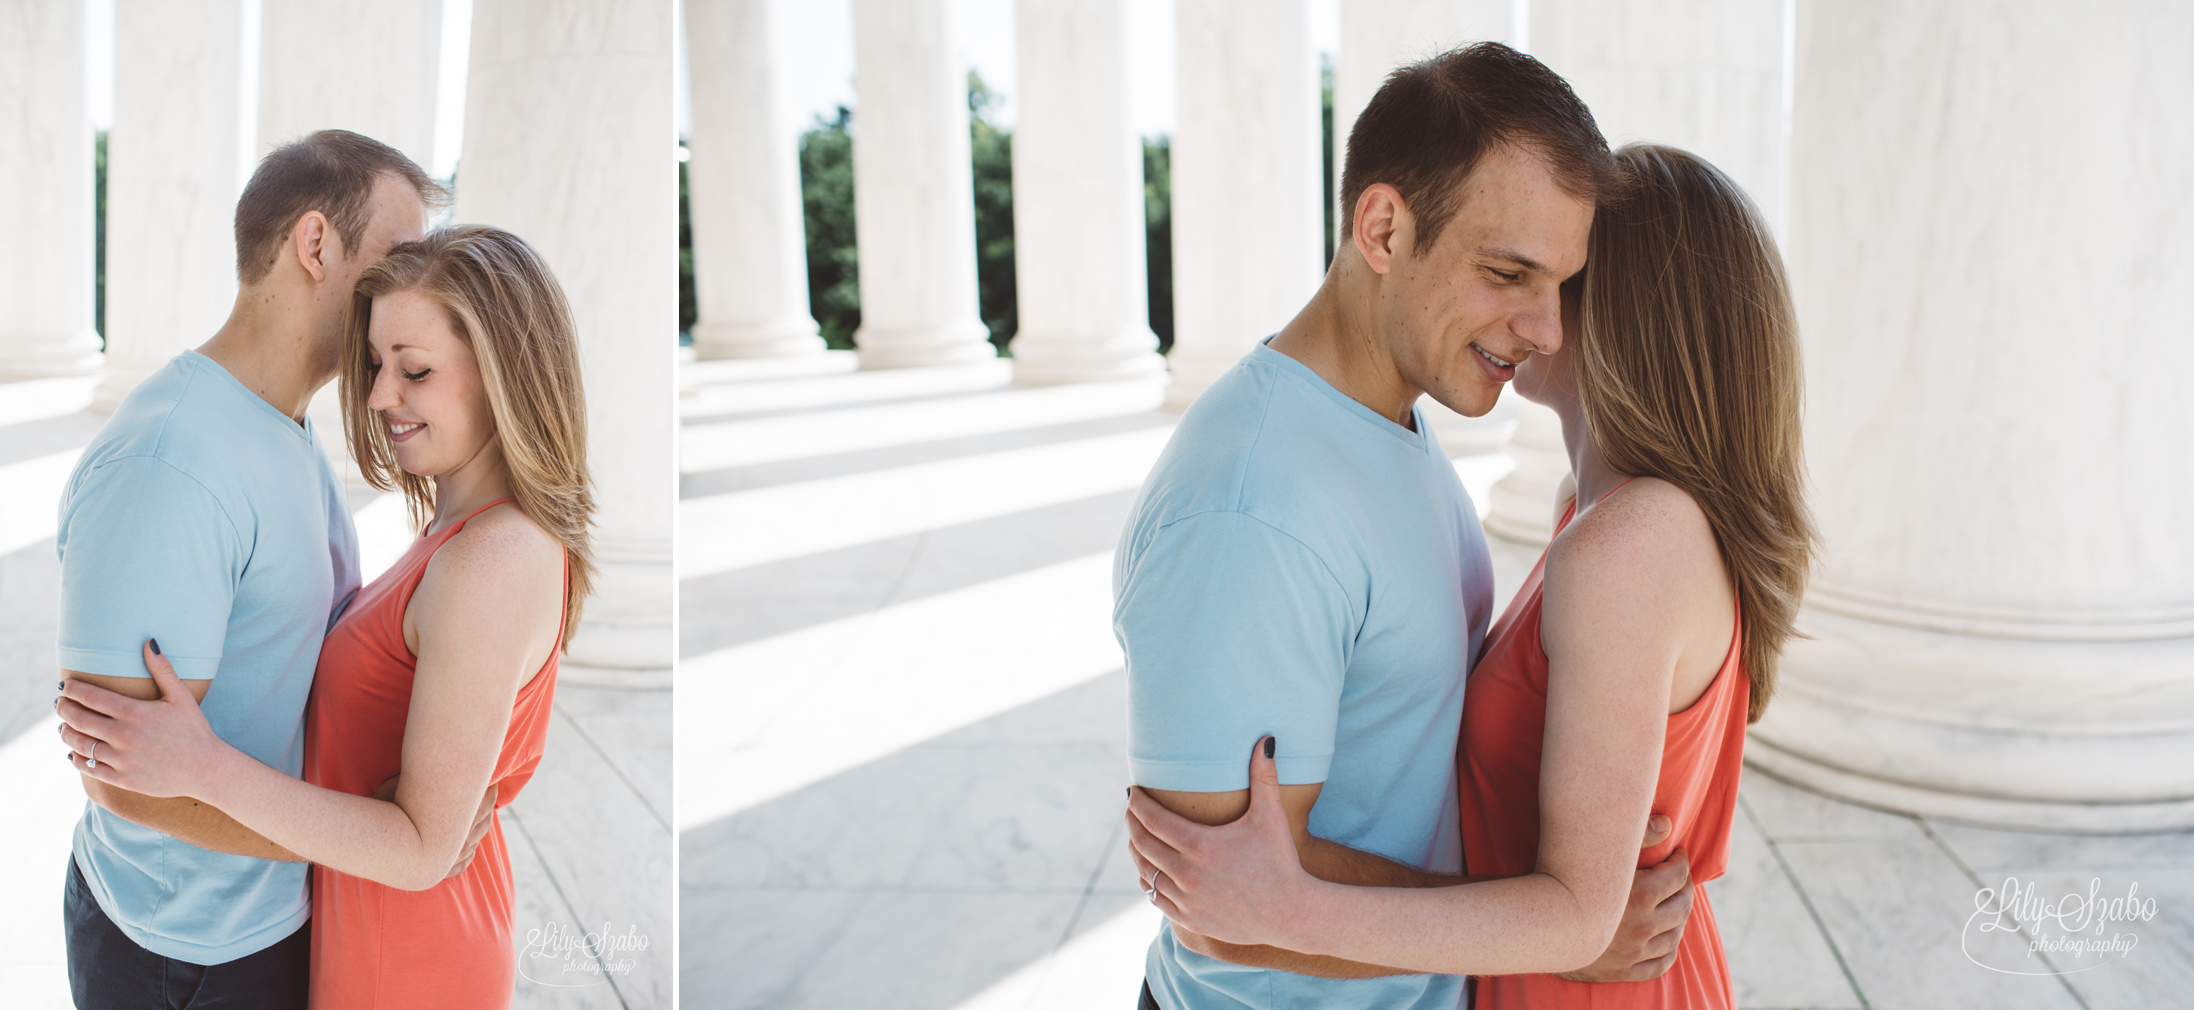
<point>1458,317</point>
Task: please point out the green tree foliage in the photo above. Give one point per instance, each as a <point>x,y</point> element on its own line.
<point>99,238</point>
<point>992,151</point>
<point>687,311</point>
<point>1325,116</point>
<point>826,199</point>
<point>826,194</point>
<point>1158,234</point>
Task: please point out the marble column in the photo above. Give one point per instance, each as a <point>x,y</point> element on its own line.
<point>1993,259</point>
<point>368,66</point>
<point>178,155</point>
<point>749,241</point>
<point>46,196</point>
<point>1247,182</point>
<point>1078,235</point>
<point>1708,76</point>
<point>569,143</point>
<point>914,187</point>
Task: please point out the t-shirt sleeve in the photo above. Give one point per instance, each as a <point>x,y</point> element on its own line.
<point>146,552</point>
<point>1233,630</point>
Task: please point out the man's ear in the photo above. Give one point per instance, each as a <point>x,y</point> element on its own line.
<point>1382,228</point>
<point>315,244</point>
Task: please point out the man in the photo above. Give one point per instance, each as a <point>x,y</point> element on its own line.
<point>205,517</point>
<point>1303,561</point>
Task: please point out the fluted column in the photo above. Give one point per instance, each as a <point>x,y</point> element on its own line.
<point>368,66</point>
<point>1993,260</point>
<point>749,242</point>
<point>1708,76</point>
<point>1247,181</point>
<point>45,193</point>
<point>1078,236</point>
<point>569,143</point>
<point>913,189</point>
<point>178,155</point>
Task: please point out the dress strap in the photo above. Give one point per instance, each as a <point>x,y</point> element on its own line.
<point>1571,512</point>
<point>451,530</point>
<point>476,512</point>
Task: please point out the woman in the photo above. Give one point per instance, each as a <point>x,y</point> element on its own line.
<point>1622,676</point>
<point>461,388</point>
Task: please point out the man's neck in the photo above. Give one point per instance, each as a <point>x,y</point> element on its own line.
<point>1336,336</point>
<point>274,350</point>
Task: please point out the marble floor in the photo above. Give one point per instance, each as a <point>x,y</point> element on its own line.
<point>901,721</point>
<point>589,838</point>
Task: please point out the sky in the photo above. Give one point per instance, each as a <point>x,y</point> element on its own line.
<point>816,63</point>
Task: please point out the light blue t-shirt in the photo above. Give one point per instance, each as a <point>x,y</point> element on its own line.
<point>203,517</point>
<point>1299,566</point>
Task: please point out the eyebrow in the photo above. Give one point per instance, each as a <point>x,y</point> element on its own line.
<point>1515,257</point>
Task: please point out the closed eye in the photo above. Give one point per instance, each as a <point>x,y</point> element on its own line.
<point>1505,275</point>
<point>418,375</point>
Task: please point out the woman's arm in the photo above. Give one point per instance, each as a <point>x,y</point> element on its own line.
<point>1614,629</point>
<point>183,817</point>
<point>486,613</point>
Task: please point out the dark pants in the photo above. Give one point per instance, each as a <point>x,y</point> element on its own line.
<point>109,971</point>
<point>1148,1002</point>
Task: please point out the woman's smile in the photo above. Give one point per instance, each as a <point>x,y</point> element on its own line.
<point>402,430</point>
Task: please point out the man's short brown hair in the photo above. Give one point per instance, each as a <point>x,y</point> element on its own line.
<point>332,172</point>
<point>1432,121</point>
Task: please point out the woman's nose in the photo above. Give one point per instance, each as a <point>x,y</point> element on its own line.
<point>382,395</point>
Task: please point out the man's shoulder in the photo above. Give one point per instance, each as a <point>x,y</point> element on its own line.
<point>172,428</point>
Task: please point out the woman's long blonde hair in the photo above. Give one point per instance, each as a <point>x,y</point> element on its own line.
<point>1690,372</point>
<point>504,304</point>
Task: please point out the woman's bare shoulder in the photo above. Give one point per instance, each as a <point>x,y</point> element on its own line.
<point>1648,535</point>
<point>502,546</point>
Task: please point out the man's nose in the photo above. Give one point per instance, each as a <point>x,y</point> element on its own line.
<point>1540,323</point>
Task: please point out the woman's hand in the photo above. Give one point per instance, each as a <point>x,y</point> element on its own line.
<point>1240,882</point>
<point>162,747</point>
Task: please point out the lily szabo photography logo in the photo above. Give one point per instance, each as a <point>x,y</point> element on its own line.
<point>561,955</point>
<point>2074,933</point>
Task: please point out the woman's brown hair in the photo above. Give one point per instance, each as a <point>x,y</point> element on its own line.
<point>1690,371</point>
<point>504,304</point>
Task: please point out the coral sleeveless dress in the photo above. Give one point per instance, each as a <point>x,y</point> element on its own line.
<point>1504,726</point>
<point>376,947</point>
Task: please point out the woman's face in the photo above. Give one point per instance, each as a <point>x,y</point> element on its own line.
<point>1551,379</point>
<point>426,386</point>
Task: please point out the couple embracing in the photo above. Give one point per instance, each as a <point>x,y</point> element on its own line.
<point>294,779</point>
<point>1350,792</point>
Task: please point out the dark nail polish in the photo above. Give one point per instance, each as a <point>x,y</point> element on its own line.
<point>1268,745</point>
<point>156,647</point>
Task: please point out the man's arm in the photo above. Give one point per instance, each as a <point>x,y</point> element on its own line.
<point>1644,946</point>
<point>1323,859</point>
<point>181,817</point>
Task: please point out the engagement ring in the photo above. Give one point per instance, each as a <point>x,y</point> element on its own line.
<point>91,760</point>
